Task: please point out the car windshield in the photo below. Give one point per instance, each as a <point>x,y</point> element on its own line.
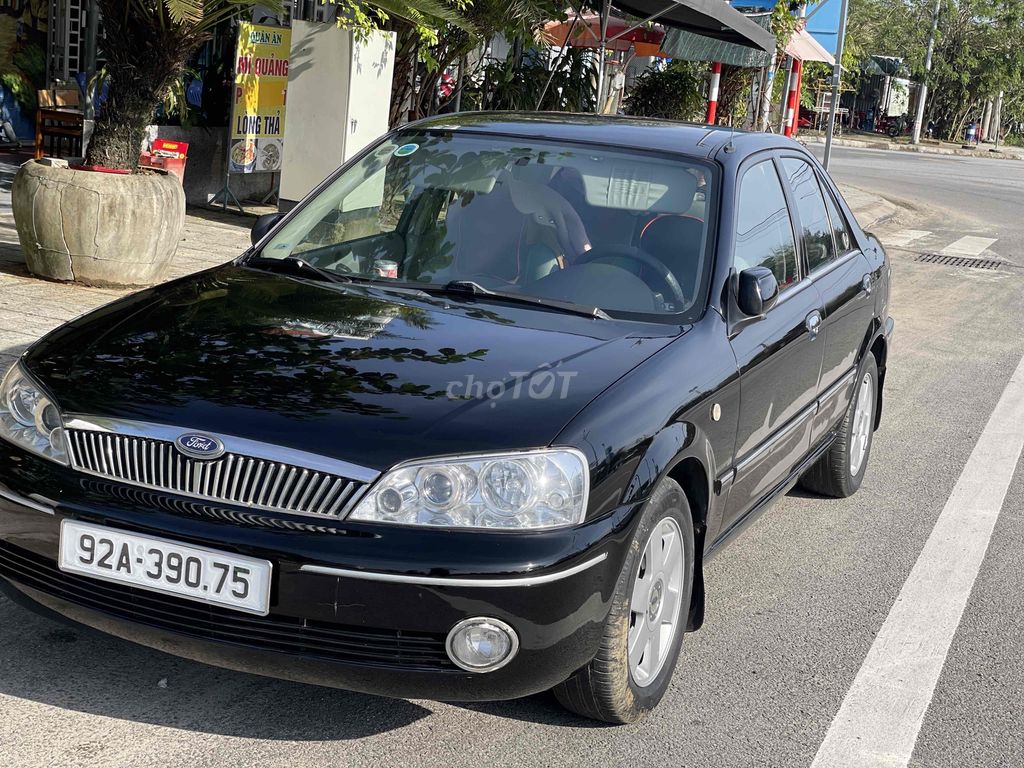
<point>609,228</point>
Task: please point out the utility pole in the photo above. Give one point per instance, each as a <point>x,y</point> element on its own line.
<point>922,95</point>
<point>837,74</point>
<point>997,118</point>
<point>765,108</point>
<point>986,118</point>
<point>604,10</point>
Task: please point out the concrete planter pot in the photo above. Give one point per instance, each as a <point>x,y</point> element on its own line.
<point>97,228</point>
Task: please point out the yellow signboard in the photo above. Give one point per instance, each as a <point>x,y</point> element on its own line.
<point>261,88</point>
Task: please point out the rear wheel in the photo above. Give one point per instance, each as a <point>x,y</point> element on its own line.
<point>840,471</point>
<point>645,627</point>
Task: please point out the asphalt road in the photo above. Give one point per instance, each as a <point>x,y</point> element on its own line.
<point>794,605</point>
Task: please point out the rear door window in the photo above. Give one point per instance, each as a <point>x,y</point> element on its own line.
<point>815,227</point>
<point>840,229</point>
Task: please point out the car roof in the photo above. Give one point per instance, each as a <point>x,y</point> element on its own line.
<point>690,139</point>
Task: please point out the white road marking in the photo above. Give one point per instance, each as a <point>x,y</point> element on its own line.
<point>879,720</point>
<point>905,237</point>
<point>969,246</point>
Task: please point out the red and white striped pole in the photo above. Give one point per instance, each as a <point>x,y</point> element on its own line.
<point>796,100</point>
<point>793,103</point>
<point>716,76</point>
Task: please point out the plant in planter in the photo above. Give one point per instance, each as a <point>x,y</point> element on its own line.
<point>119,229</point>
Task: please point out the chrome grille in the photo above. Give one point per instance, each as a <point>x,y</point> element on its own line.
<point>231,478</point>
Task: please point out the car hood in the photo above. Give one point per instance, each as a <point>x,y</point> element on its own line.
<point>352,372</point>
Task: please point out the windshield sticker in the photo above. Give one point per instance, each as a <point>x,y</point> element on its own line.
<point>406,149</point>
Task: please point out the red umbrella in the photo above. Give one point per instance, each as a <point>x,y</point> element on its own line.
<point>586,32</point>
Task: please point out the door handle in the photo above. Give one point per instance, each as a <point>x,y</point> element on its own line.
<point>813,323</point>
<point>865,283</point>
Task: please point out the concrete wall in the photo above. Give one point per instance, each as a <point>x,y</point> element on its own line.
<point>207,161</point>
<point>338,96</point>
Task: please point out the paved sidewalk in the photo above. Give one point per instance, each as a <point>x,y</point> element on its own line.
<point>30,307</point>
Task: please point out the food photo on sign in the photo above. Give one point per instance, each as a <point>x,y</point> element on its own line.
<point>268,154</point>
<point>243,155</point>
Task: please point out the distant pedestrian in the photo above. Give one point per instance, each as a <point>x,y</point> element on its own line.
<point>931,128</point>
<point>972,131</point>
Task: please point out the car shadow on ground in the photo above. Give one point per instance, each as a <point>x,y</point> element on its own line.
<point>72,667</point>
<point>541,709</point>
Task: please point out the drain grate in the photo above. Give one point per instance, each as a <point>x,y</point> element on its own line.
<point>958,261</point>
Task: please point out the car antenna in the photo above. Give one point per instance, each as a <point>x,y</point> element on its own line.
<point>732,130</point>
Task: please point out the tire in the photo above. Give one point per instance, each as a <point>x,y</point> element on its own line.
<point>610,688</point>
<point>840,471</point>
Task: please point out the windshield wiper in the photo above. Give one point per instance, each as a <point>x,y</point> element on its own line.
<point>300,266</point>
<point>473,289</point>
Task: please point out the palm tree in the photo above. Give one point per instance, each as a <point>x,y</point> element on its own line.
<point>147,44</point>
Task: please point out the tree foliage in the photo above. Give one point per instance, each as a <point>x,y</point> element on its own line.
<point>528,84</point>
<point>977,51</point>
<point>364,16</point>
<point>675,93</point>
<point>425,53</point>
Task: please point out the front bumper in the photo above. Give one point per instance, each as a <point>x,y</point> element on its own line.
<point>353,606</point>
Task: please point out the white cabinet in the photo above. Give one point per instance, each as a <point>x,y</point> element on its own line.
<point>339,91</point>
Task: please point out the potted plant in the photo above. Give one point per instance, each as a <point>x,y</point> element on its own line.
<point>118,228</point>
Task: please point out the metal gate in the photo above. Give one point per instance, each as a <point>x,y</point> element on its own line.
<point>67,39</point>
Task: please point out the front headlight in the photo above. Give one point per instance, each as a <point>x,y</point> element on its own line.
<point>515,491</point>
<point>28,418</point>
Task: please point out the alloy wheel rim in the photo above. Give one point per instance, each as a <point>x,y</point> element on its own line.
<point>655,602</point>
<point>860,432</point>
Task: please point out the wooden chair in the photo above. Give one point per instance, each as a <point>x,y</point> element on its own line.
<point>59,123</point>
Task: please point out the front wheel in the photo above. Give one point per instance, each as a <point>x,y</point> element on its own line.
<point>840,471</point>
<point>645,627</point>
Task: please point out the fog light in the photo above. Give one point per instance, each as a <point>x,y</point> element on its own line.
<point>482,644</point>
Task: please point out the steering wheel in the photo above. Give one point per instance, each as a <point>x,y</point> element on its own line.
<point>606,252</point>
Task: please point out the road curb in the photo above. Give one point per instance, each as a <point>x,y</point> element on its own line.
<point>871,210</point>
<point>918,149</point>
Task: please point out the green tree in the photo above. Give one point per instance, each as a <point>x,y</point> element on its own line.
<point>977,51</point>
<point>977,54</point>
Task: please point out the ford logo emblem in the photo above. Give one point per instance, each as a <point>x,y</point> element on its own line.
<point>199,446</point>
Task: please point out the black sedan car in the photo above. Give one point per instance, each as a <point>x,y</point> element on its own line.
<point>466,423</point>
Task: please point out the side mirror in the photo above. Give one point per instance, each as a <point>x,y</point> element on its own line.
<point>757,292</point>
<point>264,224</point>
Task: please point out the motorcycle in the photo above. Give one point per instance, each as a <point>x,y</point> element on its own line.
<point>896,126</point>
<point>8,138</point>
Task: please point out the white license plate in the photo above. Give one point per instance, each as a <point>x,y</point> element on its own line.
<point>196,573</point>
